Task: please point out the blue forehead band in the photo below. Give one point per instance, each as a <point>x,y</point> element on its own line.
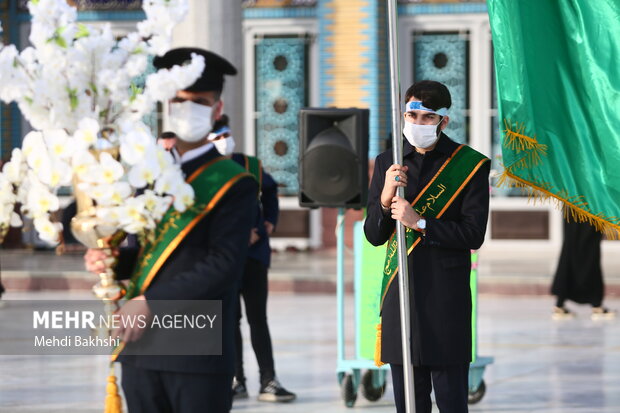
<point>222,130</point>
<point>417,105</point>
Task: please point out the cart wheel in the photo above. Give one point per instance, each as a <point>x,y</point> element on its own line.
<point>476,396</point>
<point>369,391</point>
<point>348,392</point>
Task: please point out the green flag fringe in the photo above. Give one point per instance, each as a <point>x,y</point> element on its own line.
<point>575,207</point>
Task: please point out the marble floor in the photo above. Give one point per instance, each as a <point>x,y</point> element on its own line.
<point>540,365</point>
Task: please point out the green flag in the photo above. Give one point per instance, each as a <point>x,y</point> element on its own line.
<point>557,64</point>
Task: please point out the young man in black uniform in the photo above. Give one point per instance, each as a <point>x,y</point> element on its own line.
<point>206,265</point>
<point>447,185</point>
<point>254,286</point>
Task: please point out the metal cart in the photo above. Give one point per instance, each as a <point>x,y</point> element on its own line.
<point>372,382</point>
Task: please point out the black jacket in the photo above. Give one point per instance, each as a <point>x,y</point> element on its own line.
<point>267,210</point>
<point>439,267</point>
<point>207,265</point>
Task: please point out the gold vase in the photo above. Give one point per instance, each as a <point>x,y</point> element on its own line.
<point>94,232</point>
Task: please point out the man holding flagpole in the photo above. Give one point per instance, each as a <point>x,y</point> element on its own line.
<point>445,213</point>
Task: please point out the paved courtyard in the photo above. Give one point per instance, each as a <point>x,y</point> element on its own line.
<point>540,365</point>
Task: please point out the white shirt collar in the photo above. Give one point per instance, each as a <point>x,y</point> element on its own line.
<point>191,154</point>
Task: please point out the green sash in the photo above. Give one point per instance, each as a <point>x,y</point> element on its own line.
<point>253,166</point>
<point>433,201</point>
<point>210,183</point>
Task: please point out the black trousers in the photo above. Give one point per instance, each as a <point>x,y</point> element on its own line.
<point>254,290</point>
<point>450,384</point>
<point>153,391</point>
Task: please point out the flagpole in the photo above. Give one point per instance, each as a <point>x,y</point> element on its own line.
<point>397,151</point>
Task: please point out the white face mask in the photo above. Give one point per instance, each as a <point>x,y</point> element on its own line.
<point>190,121</point>
<point>421,136</point>
<point>225,146</point>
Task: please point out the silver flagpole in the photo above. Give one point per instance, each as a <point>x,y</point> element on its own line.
<point>397,151</point>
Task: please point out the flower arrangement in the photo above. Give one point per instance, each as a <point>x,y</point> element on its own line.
<point>75,85</point>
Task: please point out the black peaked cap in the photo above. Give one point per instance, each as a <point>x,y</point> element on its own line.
<point>212,78</point>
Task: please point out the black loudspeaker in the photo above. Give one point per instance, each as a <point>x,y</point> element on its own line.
<point>333,157</point>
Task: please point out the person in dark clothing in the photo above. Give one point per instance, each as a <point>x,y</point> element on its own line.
<point>254,285</point>
<point>447,220</point>
<point>579,276</point>
<point>206,264</point>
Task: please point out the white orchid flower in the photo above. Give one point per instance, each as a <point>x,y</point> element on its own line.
<point>120,192</point>
<point>163,205</point>
<point>144,173</point>
<point>150,199</point>
<point>99,192</point>
<point>165,159</point>
<point>40,201</point>
<point>6,185</point>
<point>48,231</point>
<point>7,194</point>
<point>155,205</point>
<point>168,181</point>
<point>109,215</point>
<point>90,174</point>
<point>184,197</point>
<point>110,170</point>
<point>39,161</point>
<point>109,194</point>
<point>58,143</point>
<point>59,174</point>
<point>24,189</point>
<point>135,144</point>
<point>135,207</point>
<point>81,162</point>
<point>87,132</point>
<point>33,142</point>
<point>132,215</point>
<point>150,223</point>
<point>8,199</point>
<point>15,169</point>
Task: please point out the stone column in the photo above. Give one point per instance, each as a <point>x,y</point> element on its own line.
<point>215,25</point>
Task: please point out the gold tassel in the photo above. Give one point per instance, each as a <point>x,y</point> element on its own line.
<point>113,402</point>
<point>378,361</point>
